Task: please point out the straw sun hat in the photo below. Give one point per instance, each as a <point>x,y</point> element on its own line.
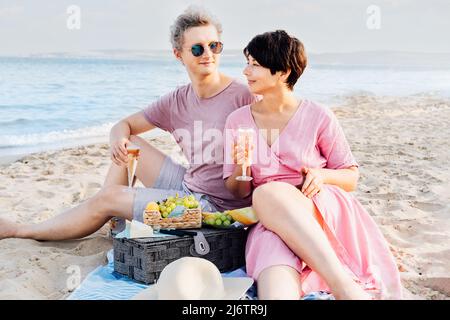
<point>192,278</point>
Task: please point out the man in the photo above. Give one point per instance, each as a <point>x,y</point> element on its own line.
<point>194,114</point>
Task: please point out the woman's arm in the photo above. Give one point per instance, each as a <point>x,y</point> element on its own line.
<point>335,148</point>
<point>347,179</point>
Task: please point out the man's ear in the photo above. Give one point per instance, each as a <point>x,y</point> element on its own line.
<point>177,55</point>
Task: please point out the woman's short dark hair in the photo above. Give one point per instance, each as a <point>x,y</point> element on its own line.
<point>278,51</point>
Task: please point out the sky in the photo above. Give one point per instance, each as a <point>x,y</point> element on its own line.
<point>31,27</point>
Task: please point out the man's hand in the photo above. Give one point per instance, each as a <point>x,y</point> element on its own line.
<point>119,154</point>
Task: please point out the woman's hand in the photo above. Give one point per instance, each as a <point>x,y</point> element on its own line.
<point>119,154</point>
<point>239,157</point>
<point>313,182</point>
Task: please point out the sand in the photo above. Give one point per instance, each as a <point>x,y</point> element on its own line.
<point>401,145</point>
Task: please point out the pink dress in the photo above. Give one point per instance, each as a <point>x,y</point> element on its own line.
<point>313,138</point>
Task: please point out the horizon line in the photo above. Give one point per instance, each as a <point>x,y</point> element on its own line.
<point>143,52</point>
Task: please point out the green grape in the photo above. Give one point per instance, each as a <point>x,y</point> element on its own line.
<point>196,204</point>
<point>226,223</point>
<point>162,208</point>
<point>223,217</point>
<point>172,206</point>
<point>229,218</point>
<point>210,221</point>
<point>165,214</point>
<point>218,222</point>
<point>186,203</point>
<point>170,199</point>
<point>191,198</point>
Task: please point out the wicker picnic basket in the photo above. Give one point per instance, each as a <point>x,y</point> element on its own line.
<point>143,259</point>
<point>192,218</point>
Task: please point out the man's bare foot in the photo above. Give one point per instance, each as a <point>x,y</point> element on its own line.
<point>8,229</point>
<point>352,291</point>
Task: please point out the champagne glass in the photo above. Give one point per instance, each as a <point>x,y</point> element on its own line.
<point>245,142</point>
<point>133,155</point>
<point>118,224</point>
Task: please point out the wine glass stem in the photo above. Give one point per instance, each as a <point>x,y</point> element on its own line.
<point>131,175</point>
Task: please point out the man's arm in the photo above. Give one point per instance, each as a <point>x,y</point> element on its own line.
<point>120,134</point>
<point>135,124</point>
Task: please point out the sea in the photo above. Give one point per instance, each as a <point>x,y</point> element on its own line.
<point>50,101</point>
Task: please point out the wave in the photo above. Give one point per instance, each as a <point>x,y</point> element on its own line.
<point>20,107</point>
<point>11,141</point>
<point>34,122</point>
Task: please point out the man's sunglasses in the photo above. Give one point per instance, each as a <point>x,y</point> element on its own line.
<point>216,47</point>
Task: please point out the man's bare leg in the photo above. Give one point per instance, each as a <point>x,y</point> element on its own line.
<point>93,213</point>
<point>149,166</point>
<point>77,222</point>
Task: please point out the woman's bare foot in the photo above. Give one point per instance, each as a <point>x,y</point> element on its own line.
<point>8,229</point>
<point>351,291</point>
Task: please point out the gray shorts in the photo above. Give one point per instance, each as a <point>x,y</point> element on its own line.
<point>169,182</point>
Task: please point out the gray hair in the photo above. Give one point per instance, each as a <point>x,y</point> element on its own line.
<point>193,16</point>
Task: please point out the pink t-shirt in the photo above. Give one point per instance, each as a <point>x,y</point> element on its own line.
<point>197,125</point>
<point>312,138</point>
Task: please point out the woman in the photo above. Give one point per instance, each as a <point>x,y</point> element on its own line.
<point>312,233</point>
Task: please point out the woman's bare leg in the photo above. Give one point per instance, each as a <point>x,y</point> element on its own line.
<point>279,283</point>
<point>148,169</point>
<point>77,222</point>
<point>283,209</point>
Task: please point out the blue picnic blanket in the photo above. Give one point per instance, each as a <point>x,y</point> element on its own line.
<point>105,284</point>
